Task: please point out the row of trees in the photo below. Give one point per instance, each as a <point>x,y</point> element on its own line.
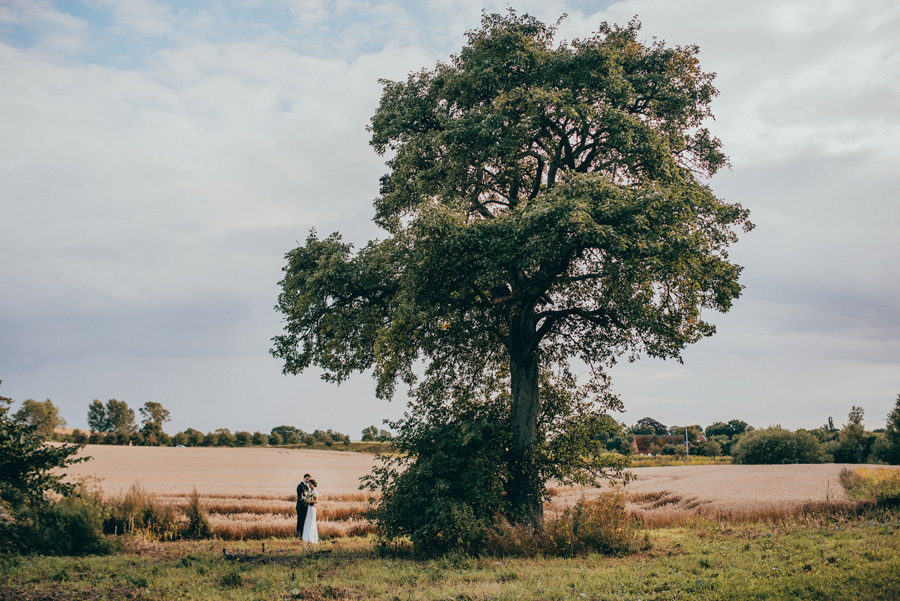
<point>221,437</point>
<point>720,436</point>
<point>851,443</point>
<point>113,422</point>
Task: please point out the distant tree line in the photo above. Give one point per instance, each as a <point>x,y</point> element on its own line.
<point>114,422</point>
<point>851,443</point>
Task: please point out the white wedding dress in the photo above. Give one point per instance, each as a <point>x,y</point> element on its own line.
<point>310,530</point>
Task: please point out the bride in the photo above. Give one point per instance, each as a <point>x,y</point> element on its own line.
<point>310,530</point>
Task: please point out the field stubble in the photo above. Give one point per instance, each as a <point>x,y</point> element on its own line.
<point>249,493</point>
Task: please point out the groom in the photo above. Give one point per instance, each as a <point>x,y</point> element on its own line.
<point>302,505</point>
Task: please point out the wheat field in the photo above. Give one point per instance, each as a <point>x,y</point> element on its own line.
<point>250,492</point>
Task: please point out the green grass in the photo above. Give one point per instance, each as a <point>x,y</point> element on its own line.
<point>849,559</point>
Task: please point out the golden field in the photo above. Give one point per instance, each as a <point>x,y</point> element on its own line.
<point>221,471</point>
<point>249,492</point>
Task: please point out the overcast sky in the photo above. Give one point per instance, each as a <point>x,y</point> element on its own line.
<point>159,158</point>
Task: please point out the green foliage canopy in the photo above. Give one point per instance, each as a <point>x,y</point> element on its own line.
<point>154,413</point>
<point>778,446</point>
<point>45,416</point>
<point>888,449</point>
<point>648,426</point>
<point>854,444</point>
<point>27,464</point>
<point>115,417</point>
<point>545,203</point>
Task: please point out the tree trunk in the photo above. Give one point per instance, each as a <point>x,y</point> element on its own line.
<point>524,489</point>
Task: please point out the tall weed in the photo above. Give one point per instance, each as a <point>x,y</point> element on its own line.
<point>600,525</point>
<point>139,510</point>
<point>197,518</point>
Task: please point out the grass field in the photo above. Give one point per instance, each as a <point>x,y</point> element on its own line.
<point>715,532</point>
<point>840,560</point>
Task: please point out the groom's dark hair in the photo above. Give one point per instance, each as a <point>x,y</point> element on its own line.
<point>307,476</point>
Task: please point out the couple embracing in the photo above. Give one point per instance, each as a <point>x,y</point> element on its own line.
<point>307,497</point>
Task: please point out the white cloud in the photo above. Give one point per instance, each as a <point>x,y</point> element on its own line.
<point>141,17</point>
<point>147,209</point>
<point>55,32</point>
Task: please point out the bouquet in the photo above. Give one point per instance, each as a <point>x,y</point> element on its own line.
<point>309,497</point>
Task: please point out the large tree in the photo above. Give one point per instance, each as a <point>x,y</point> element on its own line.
<point>546,204</point>
<point>153,416</point>
<point>115,417</point>
<point>154,413</point>
<point>96,418</point>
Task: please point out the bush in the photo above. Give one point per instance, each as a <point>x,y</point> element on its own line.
<point>30,520</point>
<point>71,526</point>
<point>778,446</point>
<point>450,490</point>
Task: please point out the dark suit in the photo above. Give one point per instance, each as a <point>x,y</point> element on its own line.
<point>301,506</point>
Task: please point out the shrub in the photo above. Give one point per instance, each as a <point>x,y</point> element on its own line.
<point>443,488</point>
<point>73,526</point>
<point>444,500</point>
<point>669,449</point>
<point>777,446</point>
<point>29,469</point>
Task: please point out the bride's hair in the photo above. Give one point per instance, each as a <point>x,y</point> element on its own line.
<point>313,482</point>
